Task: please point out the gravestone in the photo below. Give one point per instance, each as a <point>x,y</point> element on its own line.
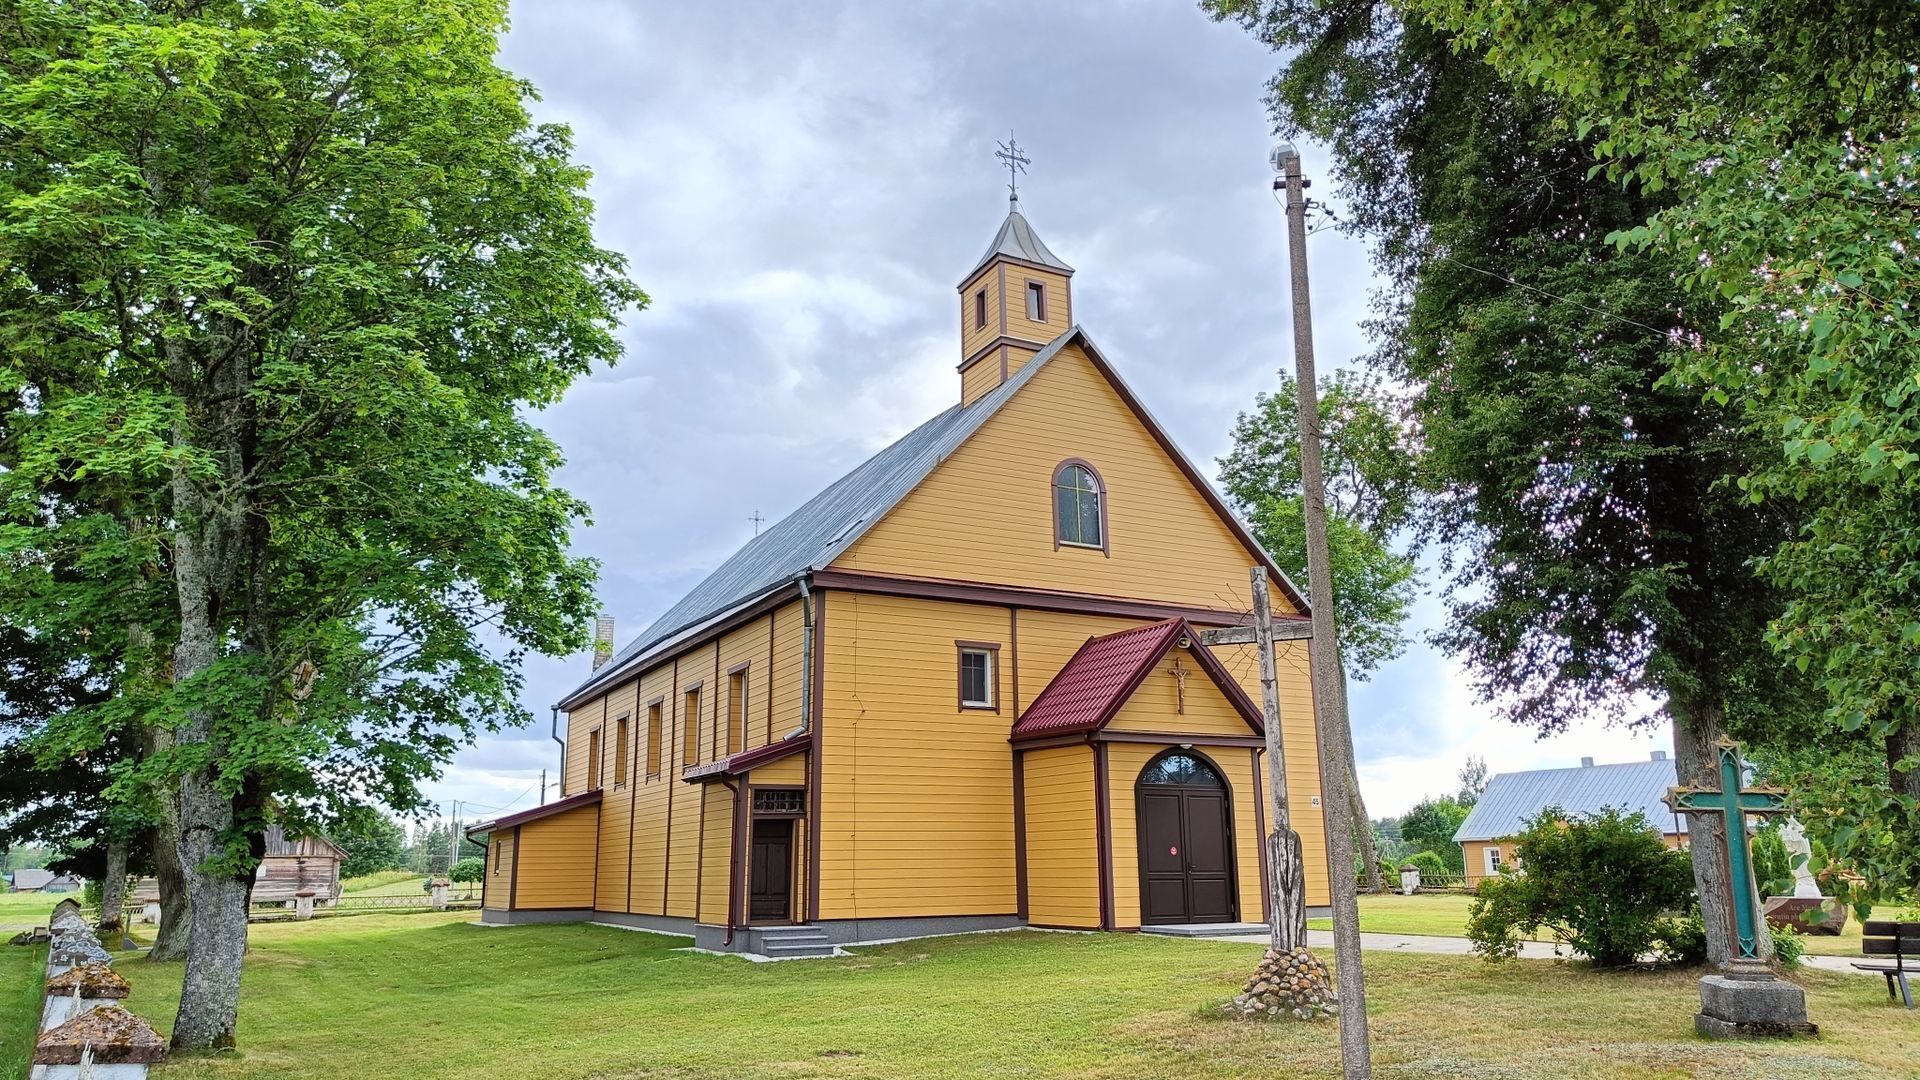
<point>107,1043</point>
<point>1798,910</point>
<point>1746,999</point>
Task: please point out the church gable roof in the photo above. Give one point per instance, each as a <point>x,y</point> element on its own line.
<point>1093,685</point>
<point>812,537</point>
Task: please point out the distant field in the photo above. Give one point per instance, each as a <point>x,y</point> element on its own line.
<point>18,911</point>
<point>380,884</point>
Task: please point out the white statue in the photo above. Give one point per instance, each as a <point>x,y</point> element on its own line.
<point>1800,854</point>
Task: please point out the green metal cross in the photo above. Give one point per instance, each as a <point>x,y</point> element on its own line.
<point>1734,804</point>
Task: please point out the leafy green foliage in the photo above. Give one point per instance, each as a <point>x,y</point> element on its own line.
<point>1772,864</point>
<point>1431,866</point>
<point>468,869</point>
<point>1369,463</point>
<point>373,841</point>
<point>1789,945</point>
<point>1430,826</point>
<point>1604,883</point>
<point>1799,235</point>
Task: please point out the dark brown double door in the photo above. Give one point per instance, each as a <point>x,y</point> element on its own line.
<point>1186,855</point>
<point>770,883</point>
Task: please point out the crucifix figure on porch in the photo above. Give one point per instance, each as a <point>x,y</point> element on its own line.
<point>1747,1000</point>
<point>1179,673</point>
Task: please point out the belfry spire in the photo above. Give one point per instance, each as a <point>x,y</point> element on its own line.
<point>1015,300</point>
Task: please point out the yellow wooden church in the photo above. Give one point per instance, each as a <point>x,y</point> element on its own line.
<point>962,688</point>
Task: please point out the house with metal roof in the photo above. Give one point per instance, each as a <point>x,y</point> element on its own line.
<point>963,687</point>
<point>1512,799</point>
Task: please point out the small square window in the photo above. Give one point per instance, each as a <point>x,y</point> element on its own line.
<point>976,677</point>
<point>1036,301</point>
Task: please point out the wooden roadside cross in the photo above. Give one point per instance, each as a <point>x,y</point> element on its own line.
<point>1734,802</point>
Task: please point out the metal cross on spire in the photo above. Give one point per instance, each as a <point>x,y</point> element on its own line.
<point>1016,163</point>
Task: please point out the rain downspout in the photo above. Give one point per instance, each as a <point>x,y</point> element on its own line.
<point>554,732</point>
<point>806,657</point>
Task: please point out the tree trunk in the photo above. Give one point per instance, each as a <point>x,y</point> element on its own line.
<point>1697,727</point>
<point>1363,835</point>
<point>176,907</point>
<point>210,560</point>
<point>113,889</point>
<point>1903,747</point>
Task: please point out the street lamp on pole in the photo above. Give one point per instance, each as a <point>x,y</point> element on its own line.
<point>1329,680</point>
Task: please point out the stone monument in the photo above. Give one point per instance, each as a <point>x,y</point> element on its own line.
<point>1746,999</point>
<point>1798,910</point>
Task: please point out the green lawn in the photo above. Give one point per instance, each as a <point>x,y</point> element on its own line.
<point>18,911</point>
<point>1445,915</point>
<point>393,995</point>
<point>384,883</point>
<point>21,979</point>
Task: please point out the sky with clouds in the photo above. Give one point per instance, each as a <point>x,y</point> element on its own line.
<point>799,188</point>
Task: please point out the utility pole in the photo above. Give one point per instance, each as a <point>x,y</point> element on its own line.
<point>453,837</point>
<point>1329,680</point>
<point>543,787</point>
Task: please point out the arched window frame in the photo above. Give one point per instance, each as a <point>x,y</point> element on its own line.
<point>1105,546</point>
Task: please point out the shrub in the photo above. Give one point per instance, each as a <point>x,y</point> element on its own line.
<point>1683,940</point>
<point>1788,945</point>
<point>468,870</point>
<point>1603,883</point>
<point>1432,867</point>
<point>1772,865</point>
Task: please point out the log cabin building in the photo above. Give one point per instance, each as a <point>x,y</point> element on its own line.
<point>961,688</point>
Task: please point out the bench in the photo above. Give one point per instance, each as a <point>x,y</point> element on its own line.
<point>1898,940</point>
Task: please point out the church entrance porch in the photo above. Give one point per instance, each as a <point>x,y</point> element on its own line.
<point>1187,865</point>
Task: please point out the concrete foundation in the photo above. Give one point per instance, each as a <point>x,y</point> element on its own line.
<point>1751,1006</point>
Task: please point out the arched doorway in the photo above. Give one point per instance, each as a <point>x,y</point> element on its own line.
<point>1185,814</point>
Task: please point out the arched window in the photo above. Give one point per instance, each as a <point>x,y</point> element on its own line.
<point>1079,508</point>
<point>1180,769</point>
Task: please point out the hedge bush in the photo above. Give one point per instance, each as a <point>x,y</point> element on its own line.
<point>1606,884</point>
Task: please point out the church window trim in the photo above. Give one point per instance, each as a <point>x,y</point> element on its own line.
<point>977,673</point>
<point>1066,484</point>
<point>980,309</point>
<point>1036,300</point>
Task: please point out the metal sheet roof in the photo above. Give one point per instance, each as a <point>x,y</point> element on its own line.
<point>1512,798</point>
<point>1016,239</point>
<point>1103,673</point>
<point>824,526</point>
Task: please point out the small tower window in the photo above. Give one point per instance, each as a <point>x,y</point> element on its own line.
<point>980,310</point>
<point>1079,512</point>
<point>1037,301</point>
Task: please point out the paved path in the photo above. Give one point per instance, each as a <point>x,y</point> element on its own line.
<point>1455,946</point>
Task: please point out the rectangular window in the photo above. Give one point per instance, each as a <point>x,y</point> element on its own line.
<point>620,752</point>
<point>736,710</point>
<point>779,801</point>
<point>980,310</point>
<point>690,728</point>
<point>653,740</point>
<point>1493,860</point>
<point>593,759</point>
<point>1036,301</point>
<point>976,676</point>
<point>496,858</point>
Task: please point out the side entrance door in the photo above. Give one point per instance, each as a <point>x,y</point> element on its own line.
<point>770,888</point>
<point>1186,843</point>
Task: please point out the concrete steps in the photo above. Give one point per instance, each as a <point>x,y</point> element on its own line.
<point>790,942</point>
<point>1216,929</point>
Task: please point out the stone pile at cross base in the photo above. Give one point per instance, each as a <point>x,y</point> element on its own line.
<point>1292,984</point>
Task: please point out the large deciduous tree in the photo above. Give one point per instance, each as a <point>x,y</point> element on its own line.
<point>294,271</point>
<point>1783,141</point>
<point>1597,560</point>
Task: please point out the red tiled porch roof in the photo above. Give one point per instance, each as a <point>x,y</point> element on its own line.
<point>1099,678</point>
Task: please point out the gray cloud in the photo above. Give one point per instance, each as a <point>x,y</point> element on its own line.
<point>800,187</point>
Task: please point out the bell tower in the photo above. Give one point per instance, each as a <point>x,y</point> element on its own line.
<point>1016,299</point>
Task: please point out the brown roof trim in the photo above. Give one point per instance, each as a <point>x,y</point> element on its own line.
<point>1021,596</point>
<point>1169,738</point>
<point>1004,339</point>
<point>639,665</point>
<point>745,761</point>
<point>1014,260</point>
<point>1180,460</point>
<point>571,802</point>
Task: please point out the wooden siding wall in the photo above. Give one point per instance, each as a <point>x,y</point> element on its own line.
<point>1124,762</point>
<point>496,888</point>
<point>916,790</point>
<point>972,337</point>
<point>987,513</point>
<point>658,835</point>
<point>555,861</point>
<point>1063,872</point>
<point>1059,310</point>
